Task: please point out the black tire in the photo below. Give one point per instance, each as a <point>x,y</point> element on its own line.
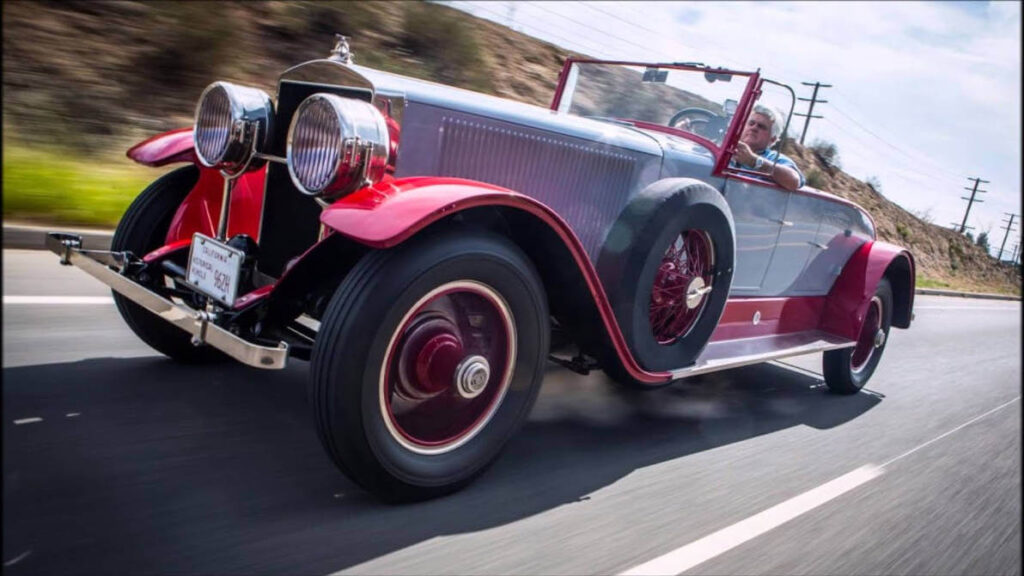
<point>141,230</point>
<point>365,328</point>
<point>633,253</point>
<point>841,375</point>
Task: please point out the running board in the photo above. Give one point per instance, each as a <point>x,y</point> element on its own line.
<point>727,354</point>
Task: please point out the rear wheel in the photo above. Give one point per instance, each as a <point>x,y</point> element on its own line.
<point>848,370</point>
<point>429,357</point>
<point>142,229</point>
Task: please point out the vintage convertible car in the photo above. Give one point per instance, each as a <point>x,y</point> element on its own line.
<point>420,245</point>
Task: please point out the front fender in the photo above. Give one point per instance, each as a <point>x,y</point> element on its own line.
<point>388,213</point>
<point>847,301</point>
<point>166,148</point>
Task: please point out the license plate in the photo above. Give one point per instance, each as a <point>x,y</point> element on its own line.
<point>213,269</point>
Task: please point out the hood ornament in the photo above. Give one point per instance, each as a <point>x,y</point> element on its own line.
<point>341,52</point>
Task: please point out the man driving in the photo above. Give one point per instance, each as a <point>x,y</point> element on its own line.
<point>753,150</point>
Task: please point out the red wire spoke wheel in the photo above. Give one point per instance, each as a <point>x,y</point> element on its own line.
<point>683,280</point>
<point>447,367</point>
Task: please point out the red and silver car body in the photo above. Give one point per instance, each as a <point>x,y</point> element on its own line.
<point>806,264</point>
<point>420,245</point>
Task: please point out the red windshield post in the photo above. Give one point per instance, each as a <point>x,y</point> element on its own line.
<point>750,95</point>
<point>561,83</point>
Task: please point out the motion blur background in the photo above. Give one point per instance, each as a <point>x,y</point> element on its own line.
<point>85,80</point>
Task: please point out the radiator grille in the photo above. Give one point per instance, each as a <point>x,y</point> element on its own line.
<point>291,220</point>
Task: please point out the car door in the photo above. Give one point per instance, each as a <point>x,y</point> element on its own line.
<point>757,212</point>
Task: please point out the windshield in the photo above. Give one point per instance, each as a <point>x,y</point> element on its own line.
<point>700,102</point>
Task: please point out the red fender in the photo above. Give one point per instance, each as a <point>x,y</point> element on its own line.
<point>200,211</point>
<point>847,302</point>
<point>166,148</point>
<point>387,213</point>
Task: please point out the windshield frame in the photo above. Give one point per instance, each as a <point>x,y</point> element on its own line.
<point>722,152</point>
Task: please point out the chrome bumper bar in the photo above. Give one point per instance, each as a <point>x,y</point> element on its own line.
<point>97,263</point>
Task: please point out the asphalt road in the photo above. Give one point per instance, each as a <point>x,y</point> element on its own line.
<point>116,460</point>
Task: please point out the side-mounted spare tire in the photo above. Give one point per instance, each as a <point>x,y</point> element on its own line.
<point>142,229</point>
<point>667,266</point>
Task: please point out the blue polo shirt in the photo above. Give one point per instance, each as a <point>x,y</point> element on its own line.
<point>773,156</point>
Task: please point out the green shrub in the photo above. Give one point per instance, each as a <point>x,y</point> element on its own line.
<point>827,153</point>
<point>903,231</point>
<point>815,179</point>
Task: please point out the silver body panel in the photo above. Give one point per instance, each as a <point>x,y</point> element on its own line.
<point>788,243</point>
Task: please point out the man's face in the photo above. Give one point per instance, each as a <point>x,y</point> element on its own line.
<point>758,132</point>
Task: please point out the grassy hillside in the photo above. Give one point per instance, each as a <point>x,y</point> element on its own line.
<point>83,80</point>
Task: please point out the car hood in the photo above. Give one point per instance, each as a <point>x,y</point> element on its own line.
<point>441,96</point>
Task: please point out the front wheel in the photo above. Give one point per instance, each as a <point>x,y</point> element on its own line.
<point>142,229</point>
<point>849,369</point>
<point>429,357</point>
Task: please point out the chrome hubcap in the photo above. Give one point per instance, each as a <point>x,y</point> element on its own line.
<point>695,293</point>
<point>471,376</point>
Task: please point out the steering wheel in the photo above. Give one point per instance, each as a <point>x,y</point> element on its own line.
<point>699,121</point>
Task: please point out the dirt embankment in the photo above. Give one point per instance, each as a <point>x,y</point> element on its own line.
<point>91,76</point>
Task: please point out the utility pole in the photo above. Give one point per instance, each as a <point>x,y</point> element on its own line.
<point>1009,225</point>
<point>971,200</point>
<point>1016,247</point>
<point>810,109</point>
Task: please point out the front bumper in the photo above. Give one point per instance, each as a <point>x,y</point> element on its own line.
<point>99,263</point>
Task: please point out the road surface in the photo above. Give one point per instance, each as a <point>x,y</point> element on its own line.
<point>117,460</point>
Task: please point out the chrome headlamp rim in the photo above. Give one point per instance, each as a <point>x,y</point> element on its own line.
<point>360,150</point>
<point>250,113</point>
<point>290,150</point>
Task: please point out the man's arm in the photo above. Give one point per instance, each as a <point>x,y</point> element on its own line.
<point>784,176</point>
<point>783,171</point>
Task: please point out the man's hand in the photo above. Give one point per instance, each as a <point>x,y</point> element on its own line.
<point>744,155</point>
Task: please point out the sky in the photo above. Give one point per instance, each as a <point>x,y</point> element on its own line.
<point>924,94</point>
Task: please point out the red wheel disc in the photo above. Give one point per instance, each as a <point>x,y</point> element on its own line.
<point>447,367</point>
<point>866,341</point>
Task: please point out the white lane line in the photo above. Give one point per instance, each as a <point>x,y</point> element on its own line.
<point>28,421</point>
<point>706,548</point>
<point>18,558</point>
<point>694,553</point>
<point>937,438</point>
<point>1004,308</point>
<point>73,414</point>
<point>58,299</point>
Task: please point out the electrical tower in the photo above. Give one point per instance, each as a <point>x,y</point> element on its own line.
<point>810,109</point>
<point>971,200</point>
<point>1009,226</point>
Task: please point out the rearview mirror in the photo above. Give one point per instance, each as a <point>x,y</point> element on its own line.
<point>712,76</point>
<point>655,75</point>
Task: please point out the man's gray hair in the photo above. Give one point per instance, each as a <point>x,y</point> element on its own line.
<point>774,115</point>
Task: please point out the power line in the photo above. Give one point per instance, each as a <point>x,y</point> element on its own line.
<point>657,55</point>
<point>934,178</point>
<point>894,147</point>
<point>594,51</point>
<point>645,29</point>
